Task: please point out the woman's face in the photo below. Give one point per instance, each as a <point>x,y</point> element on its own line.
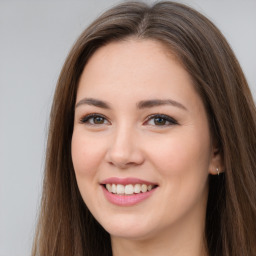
<point>140,126</point>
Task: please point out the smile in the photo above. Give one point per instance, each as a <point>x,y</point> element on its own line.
<point>129,189</point>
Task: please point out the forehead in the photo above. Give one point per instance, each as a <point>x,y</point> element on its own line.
<point>126,72</point>
<point>147,49</point>
<point>132,62</point>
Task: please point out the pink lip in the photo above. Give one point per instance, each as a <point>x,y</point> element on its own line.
<point>128,200</point>
<point>126,181</point>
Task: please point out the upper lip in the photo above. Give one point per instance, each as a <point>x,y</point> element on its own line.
<point>126,181</point>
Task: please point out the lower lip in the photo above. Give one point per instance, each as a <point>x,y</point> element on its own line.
<point>129,200</point>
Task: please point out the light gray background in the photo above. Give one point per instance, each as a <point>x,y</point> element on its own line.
<point>35,37</point>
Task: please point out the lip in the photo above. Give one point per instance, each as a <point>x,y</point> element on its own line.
<point>127,200</point>
<point>126,181</point>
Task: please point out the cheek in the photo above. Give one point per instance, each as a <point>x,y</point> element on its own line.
<point>182,162</point>
<point>86,154</point>
<point>182,153</point>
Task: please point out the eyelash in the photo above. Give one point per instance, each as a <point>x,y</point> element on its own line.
<point>165,118</point>
<point>86,119</point>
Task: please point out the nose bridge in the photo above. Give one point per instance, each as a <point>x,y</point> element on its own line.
<point>124,149</point>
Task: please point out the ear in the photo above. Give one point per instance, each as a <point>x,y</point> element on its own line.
<point>216,165</point>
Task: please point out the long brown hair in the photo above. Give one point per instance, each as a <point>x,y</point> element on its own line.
<point>65,226</point>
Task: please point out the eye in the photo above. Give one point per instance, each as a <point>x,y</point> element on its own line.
<point>94,119</point>
<point>160,120</point>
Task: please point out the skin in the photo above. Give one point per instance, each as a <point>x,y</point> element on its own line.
<point>129,142</point>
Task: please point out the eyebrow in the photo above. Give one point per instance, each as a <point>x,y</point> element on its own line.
<point>93,102</point>
<point>158,102</point>
<point>140,105</point>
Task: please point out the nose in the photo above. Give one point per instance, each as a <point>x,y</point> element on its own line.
<point>124,149</point>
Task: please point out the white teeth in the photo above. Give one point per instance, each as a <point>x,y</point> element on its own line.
<point>144,188</point>
<point>128,189</point>
<point>119,189</point>
<point>113,188</point>
<point>109,187</point>
<point>137,188</point>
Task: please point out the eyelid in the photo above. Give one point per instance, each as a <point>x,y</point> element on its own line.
<point>86,118</point>
<point>169,119</point>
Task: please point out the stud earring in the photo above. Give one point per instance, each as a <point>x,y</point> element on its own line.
<point>218,171</point>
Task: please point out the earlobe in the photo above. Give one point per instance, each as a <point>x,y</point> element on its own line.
<point>216,166</point>
<point>216,171</point>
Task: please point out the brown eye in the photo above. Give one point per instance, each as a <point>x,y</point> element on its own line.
<point>159,121</point>
<point>98,120</point>
<point>94,119</point>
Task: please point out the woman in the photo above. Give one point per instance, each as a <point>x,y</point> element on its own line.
<point>152,144</point>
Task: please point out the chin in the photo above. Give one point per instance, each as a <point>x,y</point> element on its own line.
<point>129,234</point>
<point>129,229</point>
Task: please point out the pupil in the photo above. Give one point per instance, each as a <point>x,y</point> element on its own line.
<point>159,120</point>
<point>98,120</point>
